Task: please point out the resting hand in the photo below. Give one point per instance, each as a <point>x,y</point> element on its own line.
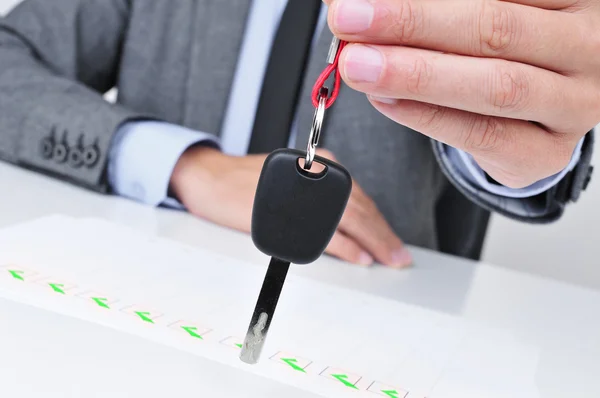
<point>221,189</point>
<point>514,83</point>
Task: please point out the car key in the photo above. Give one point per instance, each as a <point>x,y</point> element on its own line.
<point>295,214</point>
<point>296,211</point>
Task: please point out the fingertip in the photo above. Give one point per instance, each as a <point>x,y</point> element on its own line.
<point>365,259</point>
<point>330,6</point>
<point>362,66</point>
<point>343,61</point>
<point>383,100</point>
<point>360,258</point>
<point>401,258</point>
<point>349,251</point>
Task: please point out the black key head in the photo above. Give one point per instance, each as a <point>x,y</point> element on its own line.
<point>296,211</point>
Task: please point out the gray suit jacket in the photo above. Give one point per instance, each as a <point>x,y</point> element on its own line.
<point>174,61</point>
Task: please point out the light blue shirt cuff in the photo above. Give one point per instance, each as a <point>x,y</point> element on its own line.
<point>470,170</point>
<point>142,158</point>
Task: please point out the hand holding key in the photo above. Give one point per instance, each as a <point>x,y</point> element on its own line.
<point>513,83</point>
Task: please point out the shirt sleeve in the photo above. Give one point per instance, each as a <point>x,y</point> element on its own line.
<point>466,165</point>
<point>143,155</point>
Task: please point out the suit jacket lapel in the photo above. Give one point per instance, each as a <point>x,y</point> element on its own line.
<point>217,38</point>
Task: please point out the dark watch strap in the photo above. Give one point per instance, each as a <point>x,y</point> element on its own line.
<point>569,189</point>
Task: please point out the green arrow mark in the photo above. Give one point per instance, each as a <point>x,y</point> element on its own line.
<point>144,316</point>
<point>192,331</point>
<point>57,287</point>
<point>342,379</point>
<point>239,345</point>
<point>391,393</point>
<point>101,302</point>
<point>17,275</point>
<point>292,362</point>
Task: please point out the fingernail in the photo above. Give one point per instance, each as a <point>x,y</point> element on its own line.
<point>402,258</point>
<point>383,100</point>
<point>353,16</point>
<point>363,64</point>
<point>365,259</point>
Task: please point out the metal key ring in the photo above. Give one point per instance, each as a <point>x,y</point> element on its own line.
<point>315,131</point>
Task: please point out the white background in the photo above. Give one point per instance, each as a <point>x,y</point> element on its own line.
<point>567,250</point>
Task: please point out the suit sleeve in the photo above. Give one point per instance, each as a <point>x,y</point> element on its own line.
<point>57,59</point>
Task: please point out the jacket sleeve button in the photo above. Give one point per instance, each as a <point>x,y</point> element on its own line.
<point>91,154</point>
<point>60,153</point>
<point>75,158</point>
<point>47,147</point>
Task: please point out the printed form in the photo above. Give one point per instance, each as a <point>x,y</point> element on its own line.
<point>324,339</point>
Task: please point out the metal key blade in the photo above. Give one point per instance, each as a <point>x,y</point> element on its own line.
<point>264,310</point>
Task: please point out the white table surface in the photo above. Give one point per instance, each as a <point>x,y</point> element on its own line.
<point>561,321</point>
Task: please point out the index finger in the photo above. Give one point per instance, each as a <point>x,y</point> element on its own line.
<point>363,223</point>
<point>495,29</point>
<point>548,4</point>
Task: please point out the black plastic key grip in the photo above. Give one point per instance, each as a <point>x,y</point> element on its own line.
<point>296,212</point>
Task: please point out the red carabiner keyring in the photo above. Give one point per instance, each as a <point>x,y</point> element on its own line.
<point>337,46</point>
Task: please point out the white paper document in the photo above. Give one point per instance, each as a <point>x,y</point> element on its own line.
<point>327,340</point>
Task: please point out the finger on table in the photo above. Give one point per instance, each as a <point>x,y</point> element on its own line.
<point>363,223</point>
<point>477,28</point>
<point>346,249</point>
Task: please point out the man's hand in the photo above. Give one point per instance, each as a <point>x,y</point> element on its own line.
<point>514,83</point>
<point>221,189</point>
